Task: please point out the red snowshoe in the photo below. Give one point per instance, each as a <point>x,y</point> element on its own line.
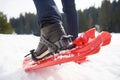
<point>86,44</point>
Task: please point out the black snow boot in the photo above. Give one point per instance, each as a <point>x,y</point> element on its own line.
<point>53,39</point>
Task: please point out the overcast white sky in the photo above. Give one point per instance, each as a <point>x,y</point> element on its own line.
<point>12,8</point>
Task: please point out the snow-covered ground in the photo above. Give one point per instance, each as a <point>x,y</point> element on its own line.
<point>102,66</point>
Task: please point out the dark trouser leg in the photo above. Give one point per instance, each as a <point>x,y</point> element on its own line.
<point>71,17</point>
<point>47,12</point>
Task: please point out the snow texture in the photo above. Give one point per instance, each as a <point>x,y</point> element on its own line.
<point>102,66</point>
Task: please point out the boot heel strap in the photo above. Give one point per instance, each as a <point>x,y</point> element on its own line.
<point>53,48</point>
<point>62,44</point>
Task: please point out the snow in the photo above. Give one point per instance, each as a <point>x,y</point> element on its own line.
<point>102,66</point>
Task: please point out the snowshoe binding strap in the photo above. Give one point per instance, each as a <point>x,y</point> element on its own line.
<point>62,44</point>
<point>34,56</point>
<point>52,47</point>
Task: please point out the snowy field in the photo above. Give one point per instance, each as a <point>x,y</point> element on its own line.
<point>102,66</point>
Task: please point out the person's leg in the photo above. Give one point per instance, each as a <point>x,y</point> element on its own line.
<point>52,32</point>
<point>70,12</point>
<point>47,12</point>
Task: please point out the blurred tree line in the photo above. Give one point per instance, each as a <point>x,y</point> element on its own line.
<point>5,27</point>
<point>25,24</point>
<point>107,17</point>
